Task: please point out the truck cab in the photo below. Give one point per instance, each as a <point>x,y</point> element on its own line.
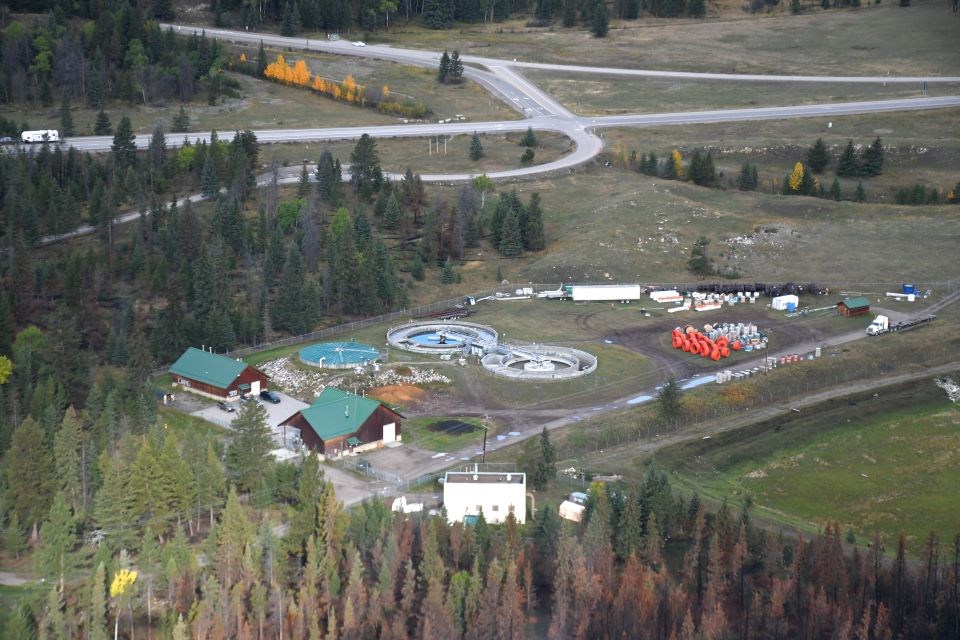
<point>880,325</point>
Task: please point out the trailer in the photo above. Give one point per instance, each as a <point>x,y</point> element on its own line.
<point>603,292</point>
<point>42,135</point>
<point>882,325</point>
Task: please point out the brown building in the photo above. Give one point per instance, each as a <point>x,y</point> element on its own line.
<point>216,376</point>
<point>853,307</point>
<point>339,421</point>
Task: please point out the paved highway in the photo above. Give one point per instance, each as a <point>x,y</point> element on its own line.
<point>540,110</point>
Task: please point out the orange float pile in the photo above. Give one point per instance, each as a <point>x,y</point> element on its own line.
<point>692,341</point>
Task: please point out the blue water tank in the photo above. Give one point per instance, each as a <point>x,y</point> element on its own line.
<point>909,288</point>
<point>791,306</point>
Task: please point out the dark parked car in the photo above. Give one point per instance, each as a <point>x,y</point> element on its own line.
<point>270,396</point>
<point>226,406</point>
<point>6,140</point>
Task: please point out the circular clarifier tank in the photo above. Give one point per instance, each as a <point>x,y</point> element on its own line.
<point>338,355</point>
<point>441,337</point>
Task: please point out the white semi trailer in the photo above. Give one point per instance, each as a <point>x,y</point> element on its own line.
<point>603,292</point>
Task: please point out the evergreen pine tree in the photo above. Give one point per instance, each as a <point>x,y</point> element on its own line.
<point>30,475</point>
<point>181,121</point>
<point>443,72</point>
<point>835,189</point>
<point>860,195</point>
<point>476,148</point>
<point>744,182</point>
<point>511,237</point>
<point>261,60</point>
<point>393,215</point>
<point>668,400</point>
<point>818,157</point>
<point>529,139</point>
<point>456,66</point>
<point>699,262</point>
<point>872,161</point>
<point>290,311</point>
<point>448,276</point>
<point>600,24</point>
<point>526,158</point>
<point>248,454</point>
<point>569,13</point>
<point>66,450</point>
<point>124,146</point>
<point>848,165</point>
<point>290,21</point>
<point>54,558</point>
<point>698,8</point>
<point>66,119</point>
<point>533,236</point>
<point>14,541</point>
<point>545,467</point>
<point>209,177</point>
<point>97,621</point>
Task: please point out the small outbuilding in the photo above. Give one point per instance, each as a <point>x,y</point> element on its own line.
<point>340,421</point>
<point>853,307</point>
<point>216,376</point>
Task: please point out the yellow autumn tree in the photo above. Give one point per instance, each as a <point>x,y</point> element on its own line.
<point>677,159</point>
<point>300,74</point>
<point>122,581</point>
<point>276,70</point>
<point>796,177</point>
<point>349,88</point>
<point>385,91</point>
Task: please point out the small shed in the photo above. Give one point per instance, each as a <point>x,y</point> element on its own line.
<point>339,421</point>
<point>782,303</point>
<point>216,376</point>
<point>853,307</point>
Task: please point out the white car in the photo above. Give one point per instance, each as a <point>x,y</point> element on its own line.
<point>359,43</point>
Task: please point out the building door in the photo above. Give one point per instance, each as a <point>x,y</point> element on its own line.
<point>389,432</point>
<point>255,388</point>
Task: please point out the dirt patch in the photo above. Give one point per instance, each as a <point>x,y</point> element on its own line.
<point>451,427</point>
<point>397,394</point>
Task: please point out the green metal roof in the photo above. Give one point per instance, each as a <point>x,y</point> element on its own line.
<point>856,303</point>
<point>338,413</point>
<point>208,368</point>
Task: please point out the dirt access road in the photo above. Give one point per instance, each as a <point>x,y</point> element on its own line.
<point>410,462</point>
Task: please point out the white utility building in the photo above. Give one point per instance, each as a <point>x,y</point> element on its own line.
<point>467,494</point>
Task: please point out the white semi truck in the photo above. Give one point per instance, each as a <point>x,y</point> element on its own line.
<point>882,325</point>
<point>43,135</point>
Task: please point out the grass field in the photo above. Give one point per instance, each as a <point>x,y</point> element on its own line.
<point>417,432</point>
<point>610,95</point>
<point>870,40</point>
<point>501,152</point>
<point>886,463</point>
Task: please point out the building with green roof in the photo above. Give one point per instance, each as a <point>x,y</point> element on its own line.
<point>340,421</point>
<point>853,307</point>
<point>216,376</point>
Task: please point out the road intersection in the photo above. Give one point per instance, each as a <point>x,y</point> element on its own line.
<point>539,110</point>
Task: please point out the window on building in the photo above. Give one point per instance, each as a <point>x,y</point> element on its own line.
<point>496,507</point>
<point>479,508</point>
<point>512,509</point>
